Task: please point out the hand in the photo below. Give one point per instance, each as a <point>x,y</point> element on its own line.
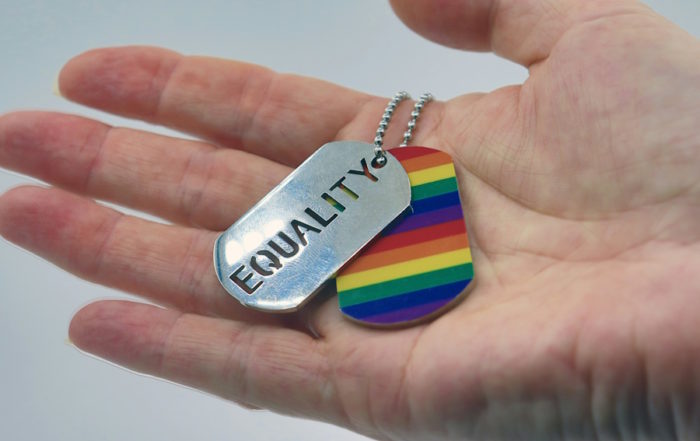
<point>580,187</point>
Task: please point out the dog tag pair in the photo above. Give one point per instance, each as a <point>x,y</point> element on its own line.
<point>280,253</point>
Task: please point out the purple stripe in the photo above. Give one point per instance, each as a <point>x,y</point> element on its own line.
<point>411,222</point>
<point>406,314</point>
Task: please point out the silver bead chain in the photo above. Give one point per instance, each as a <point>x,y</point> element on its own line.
<point>384,123</point>
<point>417,108</point>
<point>386,118</point>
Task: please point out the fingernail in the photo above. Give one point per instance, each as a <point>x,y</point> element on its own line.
<point>56,88</point>
<point>69,342</point>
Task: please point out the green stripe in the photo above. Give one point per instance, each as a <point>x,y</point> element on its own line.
<point>405,284</point>
<point>434,188</point>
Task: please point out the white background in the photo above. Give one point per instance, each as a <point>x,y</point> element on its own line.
<point>51,391</point>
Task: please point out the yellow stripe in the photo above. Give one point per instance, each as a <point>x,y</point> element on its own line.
<point>403,269</point>
<point>431,174</point>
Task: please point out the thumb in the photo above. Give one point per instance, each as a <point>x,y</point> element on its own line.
<point>524,31</point>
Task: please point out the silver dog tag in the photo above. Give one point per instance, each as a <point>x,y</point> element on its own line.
<point>282,251</point>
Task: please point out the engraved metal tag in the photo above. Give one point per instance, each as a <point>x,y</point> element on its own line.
<point>285,248</point>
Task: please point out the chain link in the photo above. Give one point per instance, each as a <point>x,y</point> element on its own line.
<point>417,108</point>
<point>386,118</point>
<point>384,123</point>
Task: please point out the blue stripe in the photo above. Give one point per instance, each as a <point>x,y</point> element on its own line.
<point>435,202</point>
<point>414,298</point>
<point>422,220</point>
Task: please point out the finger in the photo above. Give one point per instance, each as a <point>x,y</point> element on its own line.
<point>169,265</point>
<point>522,31</point>
<point>239,105</point>
<point>275,368</point>
<point>188,182</point>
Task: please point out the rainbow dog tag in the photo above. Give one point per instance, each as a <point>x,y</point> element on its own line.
<point>421,263</point>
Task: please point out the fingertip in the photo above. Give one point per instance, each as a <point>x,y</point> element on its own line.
<point>38,218</point>
<point>53,147</point>
<point>121,331</point>
<point>454,23</point>
<point>98,321</point>
<point>19,193</point>
<point>83,324</point>
<point>17,207</point>
<point>73,72</point>
<point>22,197</point>
<point>115,78</point>
<point>14,133</point>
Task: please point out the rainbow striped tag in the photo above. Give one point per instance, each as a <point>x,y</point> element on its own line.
<point>420,263</point>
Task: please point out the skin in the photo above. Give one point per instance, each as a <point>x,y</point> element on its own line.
<point>580,187</point>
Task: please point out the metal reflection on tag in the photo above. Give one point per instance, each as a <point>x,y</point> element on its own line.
<point>284,249</point>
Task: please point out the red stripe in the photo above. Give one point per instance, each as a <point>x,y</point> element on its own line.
<point>403,153</point>
<point>416,236</point>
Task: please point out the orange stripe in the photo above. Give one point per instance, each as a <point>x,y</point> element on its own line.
<point>427,161</point>
<point>416,251</point>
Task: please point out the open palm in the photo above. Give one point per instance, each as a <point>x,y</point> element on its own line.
<point>581,191</point>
